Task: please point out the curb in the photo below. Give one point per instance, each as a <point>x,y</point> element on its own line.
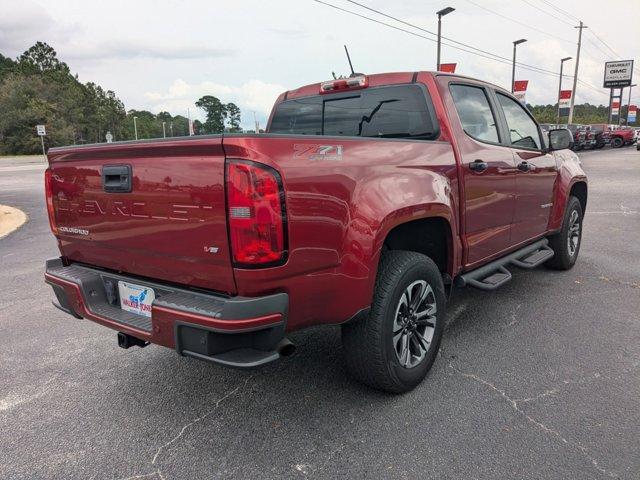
<point>11,219</point>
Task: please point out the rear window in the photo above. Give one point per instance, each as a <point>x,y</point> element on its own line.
<point>382,112</point>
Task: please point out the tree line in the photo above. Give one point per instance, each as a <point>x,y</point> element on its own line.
<point>39,89</point>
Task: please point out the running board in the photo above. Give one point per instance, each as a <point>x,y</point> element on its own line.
<point>495,274</point>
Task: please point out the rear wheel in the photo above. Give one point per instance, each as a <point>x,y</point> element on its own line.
<point>394,347</point>
<point>566,243</point>
<point>617,142</point>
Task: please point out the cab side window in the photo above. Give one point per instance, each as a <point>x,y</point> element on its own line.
<point>475,112</point>
<point>523,131</point>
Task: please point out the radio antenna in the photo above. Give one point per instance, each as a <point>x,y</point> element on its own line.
<point>349,59</point>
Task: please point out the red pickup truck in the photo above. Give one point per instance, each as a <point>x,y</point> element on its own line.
<point>366,202</point>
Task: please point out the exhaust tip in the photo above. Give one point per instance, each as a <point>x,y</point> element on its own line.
<point>285,348</point>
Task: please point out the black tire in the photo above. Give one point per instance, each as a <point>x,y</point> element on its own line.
<point>564,255</point>
<point>368,343</point>
<point>617,142</point>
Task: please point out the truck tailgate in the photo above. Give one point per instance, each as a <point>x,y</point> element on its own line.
<point>166,221</point>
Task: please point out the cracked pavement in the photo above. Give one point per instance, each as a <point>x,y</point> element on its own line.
<point>540,379</point>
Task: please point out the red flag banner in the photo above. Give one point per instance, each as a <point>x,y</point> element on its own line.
<point>448,67</point>
<point>565,102</point>
<point>615,108</point>
<point>520,89</point>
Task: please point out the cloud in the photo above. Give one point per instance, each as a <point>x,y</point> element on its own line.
<point>133,49</point>
<point>17,29</point>
<point>253,95</point>
<point>290,33</point>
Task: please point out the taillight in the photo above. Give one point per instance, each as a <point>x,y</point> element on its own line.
<point>48,190</point>
<point>351,83</point>
<point>256,213</point>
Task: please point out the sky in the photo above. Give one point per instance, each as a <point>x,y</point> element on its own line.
<point>165,54</point>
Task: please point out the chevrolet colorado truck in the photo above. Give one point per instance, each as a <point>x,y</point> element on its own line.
<point>366,203</point>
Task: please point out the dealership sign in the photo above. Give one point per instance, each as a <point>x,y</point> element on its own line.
<point>520,89</point>
<point>618,74</point>
<point>565,102</point>
<point>631,117</point>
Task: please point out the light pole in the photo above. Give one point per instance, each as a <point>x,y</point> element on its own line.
<point>441,13</point>
<point>562,60</point>
<point>135,126</point>
<point>629,103</point>
<point>164,131</point>
<point>513,68</point>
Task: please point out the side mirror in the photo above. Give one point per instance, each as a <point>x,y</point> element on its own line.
<point>560,139</point>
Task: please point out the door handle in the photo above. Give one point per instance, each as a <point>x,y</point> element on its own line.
<point>525,166</point>
<point>116,178</point>
<point>478,166</point>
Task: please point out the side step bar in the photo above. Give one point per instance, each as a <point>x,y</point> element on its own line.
<point>495,274</point>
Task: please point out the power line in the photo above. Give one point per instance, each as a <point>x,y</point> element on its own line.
<point>497,58</point>
<point>412,26</point>
<point>606,45</point>
<point>559,10</point>
<point>519,22</point>
<point>547,13</point>
<point>616,54</point>
<point>500,58</point>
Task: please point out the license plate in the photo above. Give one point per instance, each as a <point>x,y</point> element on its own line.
<point>135,298</point>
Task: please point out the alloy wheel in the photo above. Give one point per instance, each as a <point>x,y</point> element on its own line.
<point>414,323</point>
<point>573,238</point>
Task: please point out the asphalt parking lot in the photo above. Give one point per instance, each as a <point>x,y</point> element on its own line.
<point>540,379</point>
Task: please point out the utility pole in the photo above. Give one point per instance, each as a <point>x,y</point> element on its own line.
<point>135,126</point>
<point>513,66</point>
<point>440,14</point>
<point>562,60</point>
<point>164,131</point>
<point>575,75</point>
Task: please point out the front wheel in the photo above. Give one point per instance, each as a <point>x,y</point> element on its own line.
<point>566,243</point>
<point>393,348</point>
<point>617,142</point>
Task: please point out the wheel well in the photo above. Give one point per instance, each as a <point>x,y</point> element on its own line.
<point>579,190</point>
<point>429,236</point>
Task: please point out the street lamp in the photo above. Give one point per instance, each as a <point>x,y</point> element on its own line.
<point>513,68</point>
<point>562,60</point>
<point>135,126</point>
<point>441,13</point>
<point>629,104</point>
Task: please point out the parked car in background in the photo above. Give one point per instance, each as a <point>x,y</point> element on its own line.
<point>622,136</point>
<point>579,136</point>
<point>590,140</point>
<point>602,134</point>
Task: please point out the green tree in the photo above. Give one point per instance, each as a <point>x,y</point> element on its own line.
<point>216,114</point>
<point>233,117</point>
<point>43,58</point>
<point>6,66</point>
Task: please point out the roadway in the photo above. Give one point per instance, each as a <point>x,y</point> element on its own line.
<point>540,379</point>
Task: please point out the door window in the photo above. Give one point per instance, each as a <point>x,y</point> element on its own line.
<point>475,112</point>
<point>523,131</point>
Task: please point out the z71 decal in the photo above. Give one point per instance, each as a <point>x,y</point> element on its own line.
<point>317,152</point>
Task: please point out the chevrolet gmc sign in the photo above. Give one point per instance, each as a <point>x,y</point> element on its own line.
<point>618,74</point>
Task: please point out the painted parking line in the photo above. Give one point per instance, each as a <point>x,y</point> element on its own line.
<point>22,168</point>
